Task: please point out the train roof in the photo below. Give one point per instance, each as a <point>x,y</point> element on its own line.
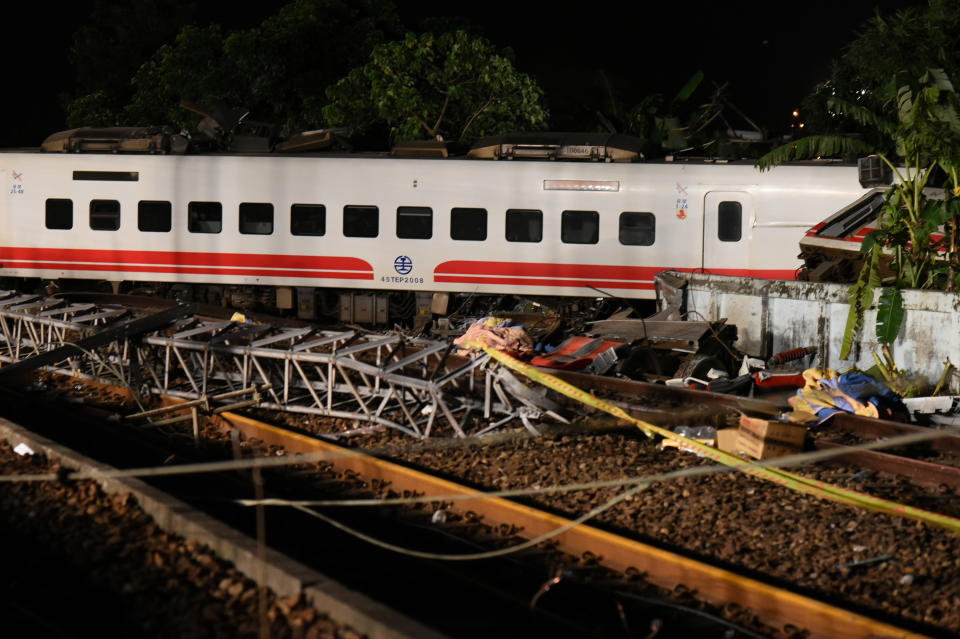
<point>607,147</point>
<point>525,146</point>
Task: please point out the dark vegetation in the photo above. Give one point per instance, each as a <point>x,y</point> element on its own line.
<point>389,74</point>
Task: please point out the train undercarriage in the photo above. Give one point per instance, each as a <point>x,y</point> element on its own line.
<point>410,309</point>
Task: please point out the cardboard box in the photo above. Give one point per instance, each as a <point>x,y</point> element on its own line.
<point>764,448</point>
<point>727,439</point>
<point>781,432</point>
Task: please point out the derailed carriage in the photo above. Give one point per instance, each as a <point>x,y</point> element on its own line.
<point>572,215</point>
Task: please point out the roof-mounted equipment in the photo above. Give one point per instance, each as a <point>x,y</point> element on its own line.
<point>117,139</point>
<point>316,140</point>
<point>873,171</point>
<point>420,149</point>
<point>596,147</point>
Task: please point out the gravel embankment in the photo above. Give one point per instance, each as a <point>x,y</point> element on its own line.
<point>804,540</point>
<point>80,563</point>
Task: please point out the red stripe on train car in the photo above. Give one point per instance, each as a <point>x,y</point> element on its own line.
<point>855,238</point>
<point>186,258</point>
<point>530,281</point>
<point>578,276</point>
<point>185,270</point>
<point>458,268</point>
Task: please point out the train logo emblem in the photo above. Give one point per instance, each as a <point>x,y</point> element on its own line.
<point>403,264</point>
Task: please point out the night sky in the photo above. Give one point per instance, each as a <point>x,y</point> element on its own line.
<point>771,53</point>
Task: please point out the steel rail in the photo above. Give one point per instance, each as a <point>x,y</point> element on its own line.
<point>773,605</point>
<point>876,428</point>
<point>867,427</point>
<point>922,473</point>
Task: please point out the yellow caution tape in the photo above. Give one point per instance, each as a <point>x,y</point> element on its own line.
<point>775,475</point>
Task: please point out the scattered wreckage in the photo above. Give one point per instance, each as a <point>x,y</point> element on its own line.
<point>750,336</point>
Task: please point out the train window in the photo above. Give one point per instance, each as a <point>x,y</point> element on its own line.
<point>579,227</point>
<point>204,217</point>
<point>468,224</point>
<point>308,219</point>
<point>361,221</point>
<point>104,215</point>
<point>638,229</point>
<point>153,216</point>
<point>414,222</point>
<point>524,225</point>
<point>729,222</point>
<point>59,213</point>
<point>256,218</point>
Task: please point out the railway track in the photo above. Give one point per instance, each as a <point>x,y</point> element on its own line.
<point>758,552</point>
<point>455,599</point>
<point>82,562</point>
<point>294,441</point>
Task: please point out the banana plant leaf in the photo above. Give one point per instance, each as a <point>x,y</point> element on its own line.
<point>861,298</point>
<point>889,315</point>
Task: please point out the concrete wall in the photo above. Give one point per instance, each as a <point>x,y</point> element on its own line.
<point>776,315</point>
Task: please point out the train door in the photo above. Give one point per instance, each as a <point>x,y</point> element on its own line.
<point>727,218</point>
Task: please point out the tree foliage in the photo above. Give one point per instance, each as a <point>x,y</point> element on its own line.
<point>889,315</point>
<point>701,118</point>
<point>658,122</point>
<point>108,50</point>
<point>278,70</point>
<point>926,135</point>
<point>907,43</point>
<point>191,68</point>
<point>891,93</point>
<point>819,146</point>
<point>861,298</point>
<point>454,85</point>
<point>921,122</point>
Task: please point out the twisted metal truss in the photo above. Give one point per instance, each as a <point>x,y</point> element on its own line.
<point>32,325</point>
<point>415,386</point>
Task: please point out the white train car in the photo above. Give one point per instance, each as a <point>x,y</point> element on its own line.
<point>525,227</point>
